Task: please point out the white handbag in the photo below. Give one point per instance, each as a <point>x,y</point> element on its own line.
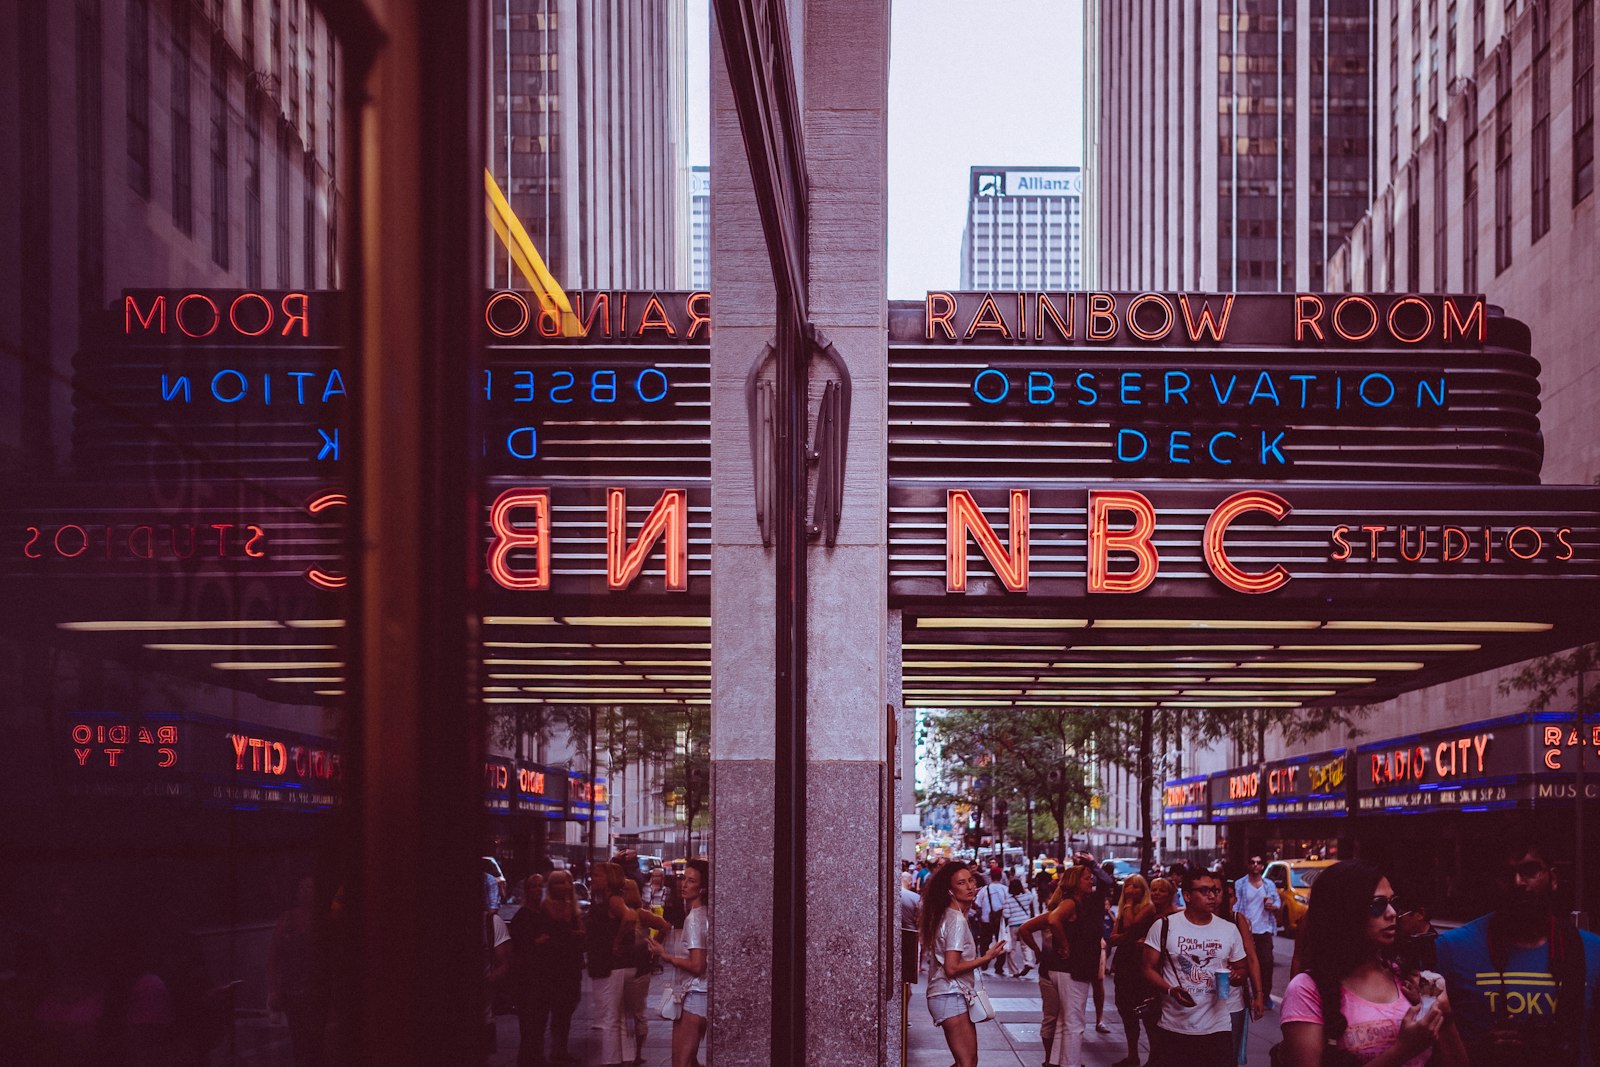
<point>670,1005</point>
<point>979,1009</point>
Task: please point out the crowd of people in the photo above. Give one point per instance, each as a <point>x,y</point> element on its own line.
<point>1191,958</point>
<point>634,927</point>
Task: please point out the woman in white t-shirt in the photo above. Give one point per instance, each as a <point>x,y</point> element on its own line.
<point>951,950</point>
<point>692,983</point>
<point>1349,1004</point>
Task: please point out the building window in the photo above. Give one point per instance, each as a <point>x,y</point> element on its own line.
<point>1469,195</point>
<point>1413,236</point>
<point>1480,29</point>
<point>1582,99</point>
<point>1451,29</point>
<point>1441,231</point>
<point>138,27</point>
<point>1541,124</point>
<point>252,191</point>
<point>182,154</point>
<point>91,164</point>
<point>247,22</point>
<point>1502,161</point>
<point>219,151</point>
<point>283,204</point>
<point>308,234</point>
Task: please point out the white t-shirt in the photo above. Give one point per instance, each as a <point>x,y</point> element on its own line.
<point>954,936</point>
<point>991,901</point>
<point>1252,904</point>
<point>1194,952</point>
<point>696,934</point>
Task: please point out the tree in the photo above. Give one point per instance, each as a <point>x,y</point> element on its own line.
<point>1549,677</point>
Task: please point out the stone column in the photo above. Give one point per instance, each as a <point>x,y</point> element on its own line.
<point>852,809</point>
<point>853,838</point>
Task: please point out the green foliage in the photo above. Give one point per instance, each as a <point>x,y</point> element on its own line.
<point>1550,677</point>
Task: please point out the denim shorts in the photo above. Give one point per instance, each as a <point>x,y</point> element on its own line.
<point>944,1006</point>
<point>695,1003</point>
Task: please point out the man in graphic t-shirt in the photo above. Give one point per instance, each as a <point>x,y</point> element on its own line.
<point>1521,980</point>
<point>1192,958</point>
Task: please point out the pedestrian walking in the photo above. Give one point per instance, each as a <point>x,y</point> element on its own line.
<point>1135,913</point>
<point>298,981</point>
<point>1349,1005</point>
<point>1247,996</point>
<point>610,925</point>
<point>547,965</point>
<point>639,961</point>
<point>1192,957</point>
<point>1050,961</point>
<point>687,951</point>
<point>951,949</point>
<point>1522,979</point>
<point>1259,903</point>
<point>991,909</point>
<point>1021,905</point>
<point>1074,922</point>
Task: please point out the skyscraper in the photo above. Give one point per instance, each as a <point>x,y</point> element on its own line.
<point>699,227</point>
<point>1024,229</point>
<point>1228,146</point>
<point>589,138</point>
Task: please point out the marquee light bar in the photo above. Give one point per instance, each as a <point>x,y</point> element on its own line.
<point>290,679</point>
<point>182,646</point>
<point>1206,624</point>
<point>1000,623</point>
<point>246,665</point>
<point>1453,626</point>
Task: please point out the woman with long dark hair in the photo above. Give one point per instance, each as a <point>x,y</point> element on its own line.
<point>1349,1005</point>
<point>1135,913</point>
<point>547,959</point>
<point>952,953</point>
<point>692,985</point>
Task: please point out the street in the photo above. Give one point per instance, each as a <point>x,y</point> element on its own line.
<point>1011,1040</point>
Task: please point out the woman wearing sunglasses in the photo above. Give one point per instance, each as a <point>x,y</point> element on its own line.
<point>1349,1006</point>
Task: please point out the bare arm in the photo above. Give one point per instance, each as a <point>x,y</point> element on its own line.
<point>1031,927</point>
<point>1058,918</point>
<point>1303,1041</point>
<point>1152,971</point>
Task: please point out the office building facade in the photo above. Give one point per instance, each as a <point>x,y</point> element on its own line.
<point>699,227</point>
<point>588,138</point>
<point>1228,141</point>
<point>1024,228</point>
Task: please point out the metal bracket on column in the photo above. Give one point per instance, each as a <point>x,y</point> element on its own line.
<point>761,401</point>
<point>829,444</point>
<point>832,439</point>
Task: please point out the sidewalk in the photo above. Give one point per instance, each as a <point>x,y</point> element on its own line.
<point>1011,1039</point>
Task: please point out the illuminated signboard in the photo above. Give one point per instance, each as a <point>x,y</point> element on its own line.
<point>1505,762</point>
<point>202,758</point>
<point>1316,786</point>
<point>1280,541</point>
<point>498,789</point>
<point>541,790</point>
<point>1183,800</point>
<point>586,798</point>
<point>1237,794</point>
<point>1214,385</point>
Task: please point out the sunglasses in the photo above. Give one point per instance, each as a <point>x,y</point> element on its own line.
<point>1379,905</point>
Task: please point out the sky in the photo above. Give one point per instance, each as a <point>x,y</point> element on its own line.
<point>971,82</point>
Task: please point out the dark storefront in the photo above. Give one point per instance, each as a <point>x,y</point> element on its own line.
<point>1429,808</point>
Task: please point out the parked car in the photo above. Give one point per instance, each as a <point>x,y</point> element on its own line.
<point>1293,879</point>
<point>1121,867</point>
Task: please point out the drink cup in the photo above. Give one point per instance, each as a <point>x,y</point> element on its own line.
<point>1223,984</point>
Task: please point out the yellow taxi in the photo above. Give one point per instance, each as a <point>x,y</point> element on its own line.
<point>1294,879</point>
